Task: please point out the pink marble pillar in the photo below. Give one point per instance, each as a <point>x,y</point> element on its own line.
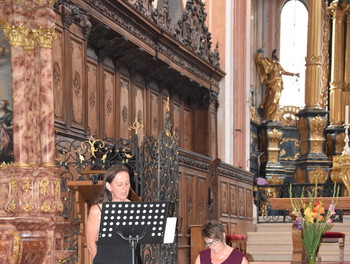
<point>46,116</point>
<point>32,107</point>
<point>44,22</point>
<point>19,99</point>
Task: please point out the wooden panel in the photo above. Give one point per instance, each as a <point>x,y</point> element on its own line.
<point>233,200</point>
<point>197,242</point>
<point>139,111</point>
<point>187,142</point>
<point>154,112</point>
<point>182,203</point>
<point>77,82</point>
<point>93,99</point>
<point>223,199</point>
<point>109,104</point>
<point>232,228</point>
<point>213,136</point>
<point>249,204</point>
<point>191,196</point>
<point>177,121</point>
<point>58,82</point>
<point>124,108</point>
<point>241,202</point>
<point>202,199</point>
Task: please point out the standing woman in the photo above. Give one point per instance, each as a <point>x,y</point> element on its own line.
<point>116,187</point>
<point>218,251</point>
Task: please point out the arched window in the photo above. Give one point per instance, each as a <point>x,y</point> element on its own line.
<point>293,46</point>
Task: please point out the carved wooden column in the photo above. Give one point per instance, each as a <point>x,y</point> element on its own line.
<point>31,225</point>
<point>312,122</point>
<point>336,101</point>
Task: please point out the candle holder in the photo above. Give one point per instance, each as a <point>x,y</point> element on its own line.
<point>346,150</point>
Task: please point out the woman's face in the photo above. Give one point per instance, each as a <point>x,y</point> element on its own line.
<point>119,187</point>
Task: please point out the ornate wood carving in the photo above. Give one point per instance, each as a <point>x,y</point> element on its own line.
<point>138,44</point>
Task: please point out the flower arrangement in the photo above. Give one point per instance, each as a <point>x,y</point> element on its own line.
<point>313,220</point>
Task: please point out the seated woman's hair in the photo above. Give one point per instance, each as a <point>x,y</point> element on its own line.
<point>214,230</point>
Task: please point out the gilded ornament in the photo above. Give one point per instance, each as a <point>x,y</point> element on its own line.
<point>16,34</point>
<point>45,36</point>
<point>92,142</point>
<point>300,176</point>
<point>135,126</point>
<point>302,127</point>
<point>271,73</point>
<point>274,136</point>
<point>59,208</point>
<point>167,107</point>
<point>45,207</point>
<point>316,60</point>
<point>272,192</point>
<point>318,174</point>
<point>43,184</point>
<point>283,152</point>
<point>339,142</point>
<point>253,112</point>
<point>10,207</point>
<point>16,247</point>
<point>5,165</point>
<point>27,207</point>
<point>288,115</point>
<point>27,185</point>
<point>345,179</point>
<point>29,41</point>
<point>317,125</point>
<point>13,185</point>
<point>57,186</point>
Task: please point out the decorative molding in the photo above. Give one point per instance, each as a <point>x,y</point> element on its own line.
<point>190,162</point>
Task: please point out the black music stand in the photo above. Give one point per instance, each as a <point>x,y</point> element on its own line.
<point>134,222</point>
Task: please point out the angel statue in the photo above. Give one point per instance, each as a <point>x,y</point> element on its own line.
<point>270,72</point>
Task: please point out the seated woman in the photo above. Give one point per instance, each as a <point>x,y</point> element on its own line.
<point>218,251</point>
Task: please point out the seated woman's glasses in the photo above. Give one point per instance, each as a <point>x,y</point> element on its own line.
<point>212,243</point>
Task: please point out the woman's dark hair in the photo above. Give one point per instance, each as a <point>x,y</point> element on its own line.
<point>214,230</point>
<point>106,195</point>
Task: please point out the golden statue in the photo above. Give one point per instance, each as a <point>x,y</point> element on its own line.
<point>270,72</point>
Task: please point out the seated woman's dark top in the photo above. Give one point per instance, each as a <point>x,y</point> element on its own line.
<point>234,258</point>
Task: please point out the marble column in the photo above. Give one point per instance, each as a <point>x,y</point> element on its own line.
<point>19,97</point>
<point>32,102</point>
<point>45,33</point>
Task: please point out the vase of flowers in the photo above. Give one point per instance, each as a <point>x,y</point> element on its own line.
<point>313,220</point>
